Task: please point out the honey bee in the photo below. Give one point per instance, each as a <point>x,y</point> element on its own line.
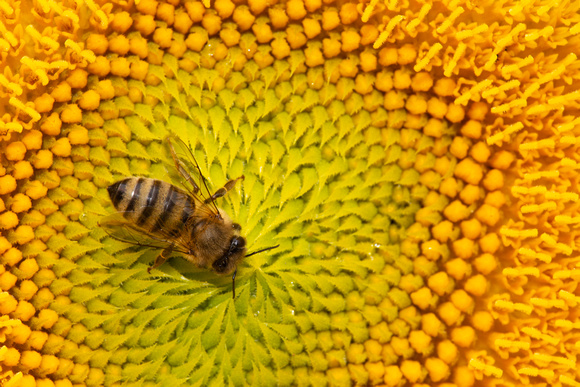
<point>158,214</point>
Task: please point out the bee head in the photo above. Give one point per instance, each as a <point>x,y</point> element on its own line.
<point>228,262</point>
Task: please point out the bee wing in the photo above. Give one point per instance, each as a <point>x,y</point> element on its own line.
<point>121,229</point>
<point>190,173</point>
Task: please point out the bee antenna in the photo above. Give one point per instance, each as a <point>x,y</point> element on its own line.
<point>247,255</point>
<point>260,251</point>
<point>234,284</point>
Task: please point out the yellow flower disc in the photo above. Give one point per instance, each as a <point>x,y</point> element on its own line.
<point>414,163</point>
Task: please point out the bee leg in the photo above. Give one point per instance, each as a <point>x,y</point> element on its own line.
<point>161,258</point>
<point>223,190</point>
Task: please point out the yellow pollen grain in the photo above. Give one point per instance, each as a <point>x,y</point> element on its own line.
<point>78,136</point>
<point>482,321</point>
<point>350,40</point>
<point>62,147</point>
<point>296,9</point>
<point>440,283</point>
<point>463,248</point>
<point>15,151</point>
<point>20,203</point>
<point>420,341</point>
<point>458,269</point>
<point>463,336</point>
<point>71,114</point>
<point>422,298</point>
<point>7,280</point>
<point>7,184</point>
<point>448,313</point>
<point>42,160</point>
<point>412,370</point>
<point>62,92</point>
<point>348,13</point>
<point>393,376</point>
<point>462,301</point>
<point>438,370</point>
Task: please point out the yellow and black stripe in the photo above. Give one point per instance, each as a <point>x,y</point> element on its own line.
<point>153,205</point>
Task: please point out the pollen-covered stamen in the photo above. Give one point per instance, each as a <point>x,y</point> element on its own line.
<point>31,112</point>
<point>450,20</point>
<point>88,55</point>
<point>533,371</point>
<point>423,62</point>
<point>413,24</point>
<point>13,88</point>
<point>514,83</point>
<point>527,254</point>
<point>553,359</point>
<point>475,90</point>
<point>486,369</point>
<point>459,52</point>
<point>520,234</point>
<point>388,30</point>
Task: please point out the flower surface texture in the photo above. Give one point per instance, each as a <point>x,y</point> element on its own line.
<point>415,162</point>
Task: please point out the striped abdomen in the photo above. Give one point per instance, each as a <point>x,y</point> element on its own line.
<point>152,204</point>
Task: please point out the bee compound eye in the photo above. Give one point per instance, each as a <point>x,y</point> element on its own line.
<point>239,242</point>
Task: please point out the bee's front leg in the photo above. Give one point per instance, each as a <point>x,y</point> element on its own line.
<point>161,258</point>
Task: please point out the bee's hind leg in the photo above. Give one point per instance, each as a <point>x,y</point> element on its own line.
<point>161,258</point>
<point>223,190</point>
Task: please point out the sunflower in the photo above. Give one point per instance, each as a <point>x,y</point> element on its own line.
<point>415,161</point>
